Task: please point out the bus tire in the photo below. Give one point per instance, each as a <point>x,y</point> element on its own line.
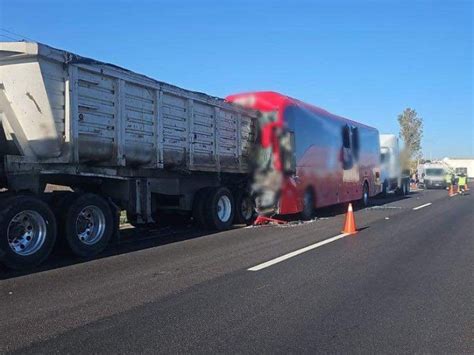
<point>365,195</point>
<point>88,225</point>
<point>219,209</point>
<point>244,208</point>
<point>27,232</point>
<point>308,205</point>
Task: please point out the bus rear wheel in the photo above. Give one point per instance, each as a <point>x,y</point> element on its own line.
<point>308,205</point>
<point>365,195</point>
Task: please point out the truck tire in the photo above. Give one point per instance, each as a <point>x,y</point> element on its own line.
<point>219,209</point>
<point>244,208</point>
<point>88,225</point>
<point>199,206</point>
<point>384,188</point>
<point>405,188</point>
<point>308,205</point>
<point>27,232</point>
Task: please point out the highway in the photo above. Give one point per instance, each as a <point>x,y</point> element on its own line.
<point>403,283</point>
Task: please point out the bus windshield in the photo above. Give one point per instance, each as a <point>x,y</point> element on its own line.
<point>434,172</point>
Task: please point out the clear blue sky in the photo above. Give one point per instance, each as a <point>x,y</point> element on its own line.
<point>366,60</point>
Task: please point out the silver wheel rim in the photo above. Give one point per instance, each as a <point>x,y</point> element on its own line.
<point>366,197</point>
<point>224,208</point>
<point>26,232</point>
<point>246,208</point>
<point>90,225</point>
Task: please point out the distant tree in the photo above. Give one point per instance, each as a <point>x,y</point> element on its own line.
<point>411,132</point>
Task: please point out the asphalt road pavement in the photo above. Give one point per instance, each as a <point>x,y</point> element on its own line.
<point>404,283</point>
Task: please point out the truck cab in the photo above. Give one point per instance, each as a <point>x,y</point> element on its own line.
<point>392,177</point>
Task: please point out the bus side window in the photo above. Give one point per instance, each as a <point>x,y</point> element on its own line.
<point>355,143</point>
<point>347,159</point>
<point>346,137</point>
<point>288,150</point>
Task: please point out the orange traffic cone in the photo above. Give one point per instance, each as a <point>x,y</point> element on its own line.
<point>349,224</point>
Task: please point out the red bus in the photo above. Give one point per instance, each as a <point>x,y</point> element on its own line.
<point>308,158</point>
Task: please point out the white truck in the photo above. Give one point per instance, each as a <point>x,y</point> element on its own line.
<point>434,175</point>
<point>393,178</point>
<point>120,141</point>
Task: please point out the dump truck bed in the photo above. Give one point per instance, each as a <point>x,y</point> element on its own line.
<point>57,107</point>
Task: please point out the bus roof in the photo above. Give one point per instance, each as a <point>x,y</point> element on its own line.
<point>273,101</point>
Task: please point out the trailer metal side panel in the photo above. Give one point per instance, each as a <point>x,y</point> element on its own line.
<point>57,107</point>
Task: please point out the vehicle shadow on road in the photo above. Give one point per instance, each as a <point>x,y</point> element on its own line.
<point>130,239</point>
<point>175,230</point>
<point>377,201</point>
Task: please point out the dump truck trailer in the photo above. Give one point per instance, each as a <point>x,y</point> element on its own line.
<point>119,141</point>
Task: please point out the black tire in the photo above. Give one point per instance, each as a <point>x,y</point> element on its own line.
<point>244,208</point>
<point>384,188</point>
<point>199,206</point>
<point>39,218</point>
<point>403,189</point>
<point>308,205</point>
<point>213,210</point>
<point>96,211</point>
<point>364,201</point>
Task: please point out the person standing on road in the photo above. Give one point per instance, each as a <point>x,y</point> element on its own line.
<point>462,181</point>
<point>449,179</point>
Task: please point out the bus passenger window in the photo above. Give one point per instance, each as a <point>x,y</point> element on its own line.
<point>287,144</point>
<point>347,158</point>
<point>346,137</point>
<point>355,143</point>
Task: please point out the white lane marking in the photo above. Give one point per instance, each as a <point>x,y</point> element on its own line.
<point>422,206</point>
<point>296,252</point>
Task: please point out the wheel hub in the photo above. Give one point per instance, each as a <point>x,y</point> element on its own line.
<point>224,208</point>
<point>90,225</point>
<point>26,232</point>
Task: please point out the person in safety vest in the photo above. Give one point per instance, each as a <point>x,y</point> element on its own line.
<point>462,182</point>
<point>449,179</point>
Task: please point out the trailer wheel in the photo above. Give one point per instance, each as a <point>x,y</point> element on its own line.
<point>199,206</point>
<point>308,205</point>
<point>27,232</point>
<point>219,209</point>
<point>244,208</point>
<point>88,225</point>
